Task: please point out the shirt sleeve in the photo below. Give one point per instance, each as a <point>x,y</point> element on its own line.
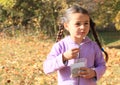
<point>54,60</point>
<point>100,64</point>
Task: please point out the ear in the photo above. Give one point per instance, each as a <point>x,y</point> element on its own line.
<point>66,26</point>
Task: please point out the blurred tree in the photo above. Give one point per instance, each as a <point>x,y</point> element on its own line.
<point>7,4</point>
<point>117,21</point>
<point>32,14</point>
<point>43,14</point>
<point>106,13</point>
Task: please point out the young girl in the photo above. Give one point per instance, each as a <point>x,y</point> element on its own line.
<point>77,45</point>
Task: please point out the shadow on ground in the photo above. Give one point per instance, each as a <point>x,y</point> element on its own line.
<point>117,47</point>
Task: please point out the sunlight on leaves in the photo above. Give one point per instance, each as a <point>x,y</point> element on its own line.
<point>21,62</point>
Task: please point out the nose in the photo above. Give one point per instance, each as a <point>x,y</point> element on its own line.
<point>82,26</point>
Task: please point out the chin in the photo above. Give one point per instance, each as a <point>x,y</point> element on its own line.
<point>80,36</point>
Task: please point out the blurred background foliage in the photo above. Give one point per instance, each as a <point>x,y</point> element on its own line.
<point>26,16</point>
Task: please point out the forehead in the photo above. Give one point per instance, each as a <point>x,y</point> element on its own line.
<point>79,17</point>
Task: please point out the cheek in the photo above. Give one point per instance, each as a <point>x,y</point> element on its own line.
<point>71,28</point>
<point>88,28</point>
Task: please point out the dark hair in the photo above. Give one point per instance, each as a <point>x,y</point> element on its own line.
<point>65,18</point>
<point>92,25</point>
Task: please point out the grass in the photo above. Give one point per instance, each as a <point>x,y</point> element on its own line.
<point>109,37</point>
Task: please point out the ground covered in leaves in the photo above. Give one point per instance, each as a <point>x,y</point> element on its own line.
<point>21,61</point>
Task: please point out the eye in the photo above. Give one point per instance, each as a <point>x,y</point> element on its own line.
<point>86,23</point>
<point>78,24</point>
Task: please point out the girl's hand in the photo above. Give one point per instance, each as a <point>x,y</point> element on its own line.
<point>87,73</point>
<point>70,54</point>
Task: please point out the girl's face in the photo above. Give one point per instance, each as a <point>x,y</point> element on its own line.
<point>78,26</point>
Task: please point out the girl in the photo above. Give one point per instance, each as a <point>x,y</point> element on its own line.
<point>77,45</point>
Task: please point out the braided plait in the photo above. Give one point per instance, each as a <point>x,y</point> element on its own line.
<point>60,32</point>
<point>92,25</point>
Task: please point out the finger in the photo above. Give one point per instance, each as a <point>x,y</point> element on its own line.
<point>84,75</point>
<point>75,49</point>
<point>75,55</point>
<point>81,72</point>
<point>75,52</point>
<point>84,68</point>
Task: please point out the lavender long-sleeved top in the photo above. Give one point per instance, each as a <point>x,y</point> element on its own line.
<point>88,49</point>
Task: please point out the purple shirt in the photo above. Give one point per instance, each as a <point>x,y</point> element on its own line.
<point>88,49</point>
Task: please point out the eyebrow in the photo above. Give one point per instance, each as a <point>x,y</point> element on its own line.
<point>83,21</point>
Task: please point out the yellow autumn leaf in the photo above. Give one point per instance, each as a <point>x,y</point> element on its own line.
<point>117,21</point>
